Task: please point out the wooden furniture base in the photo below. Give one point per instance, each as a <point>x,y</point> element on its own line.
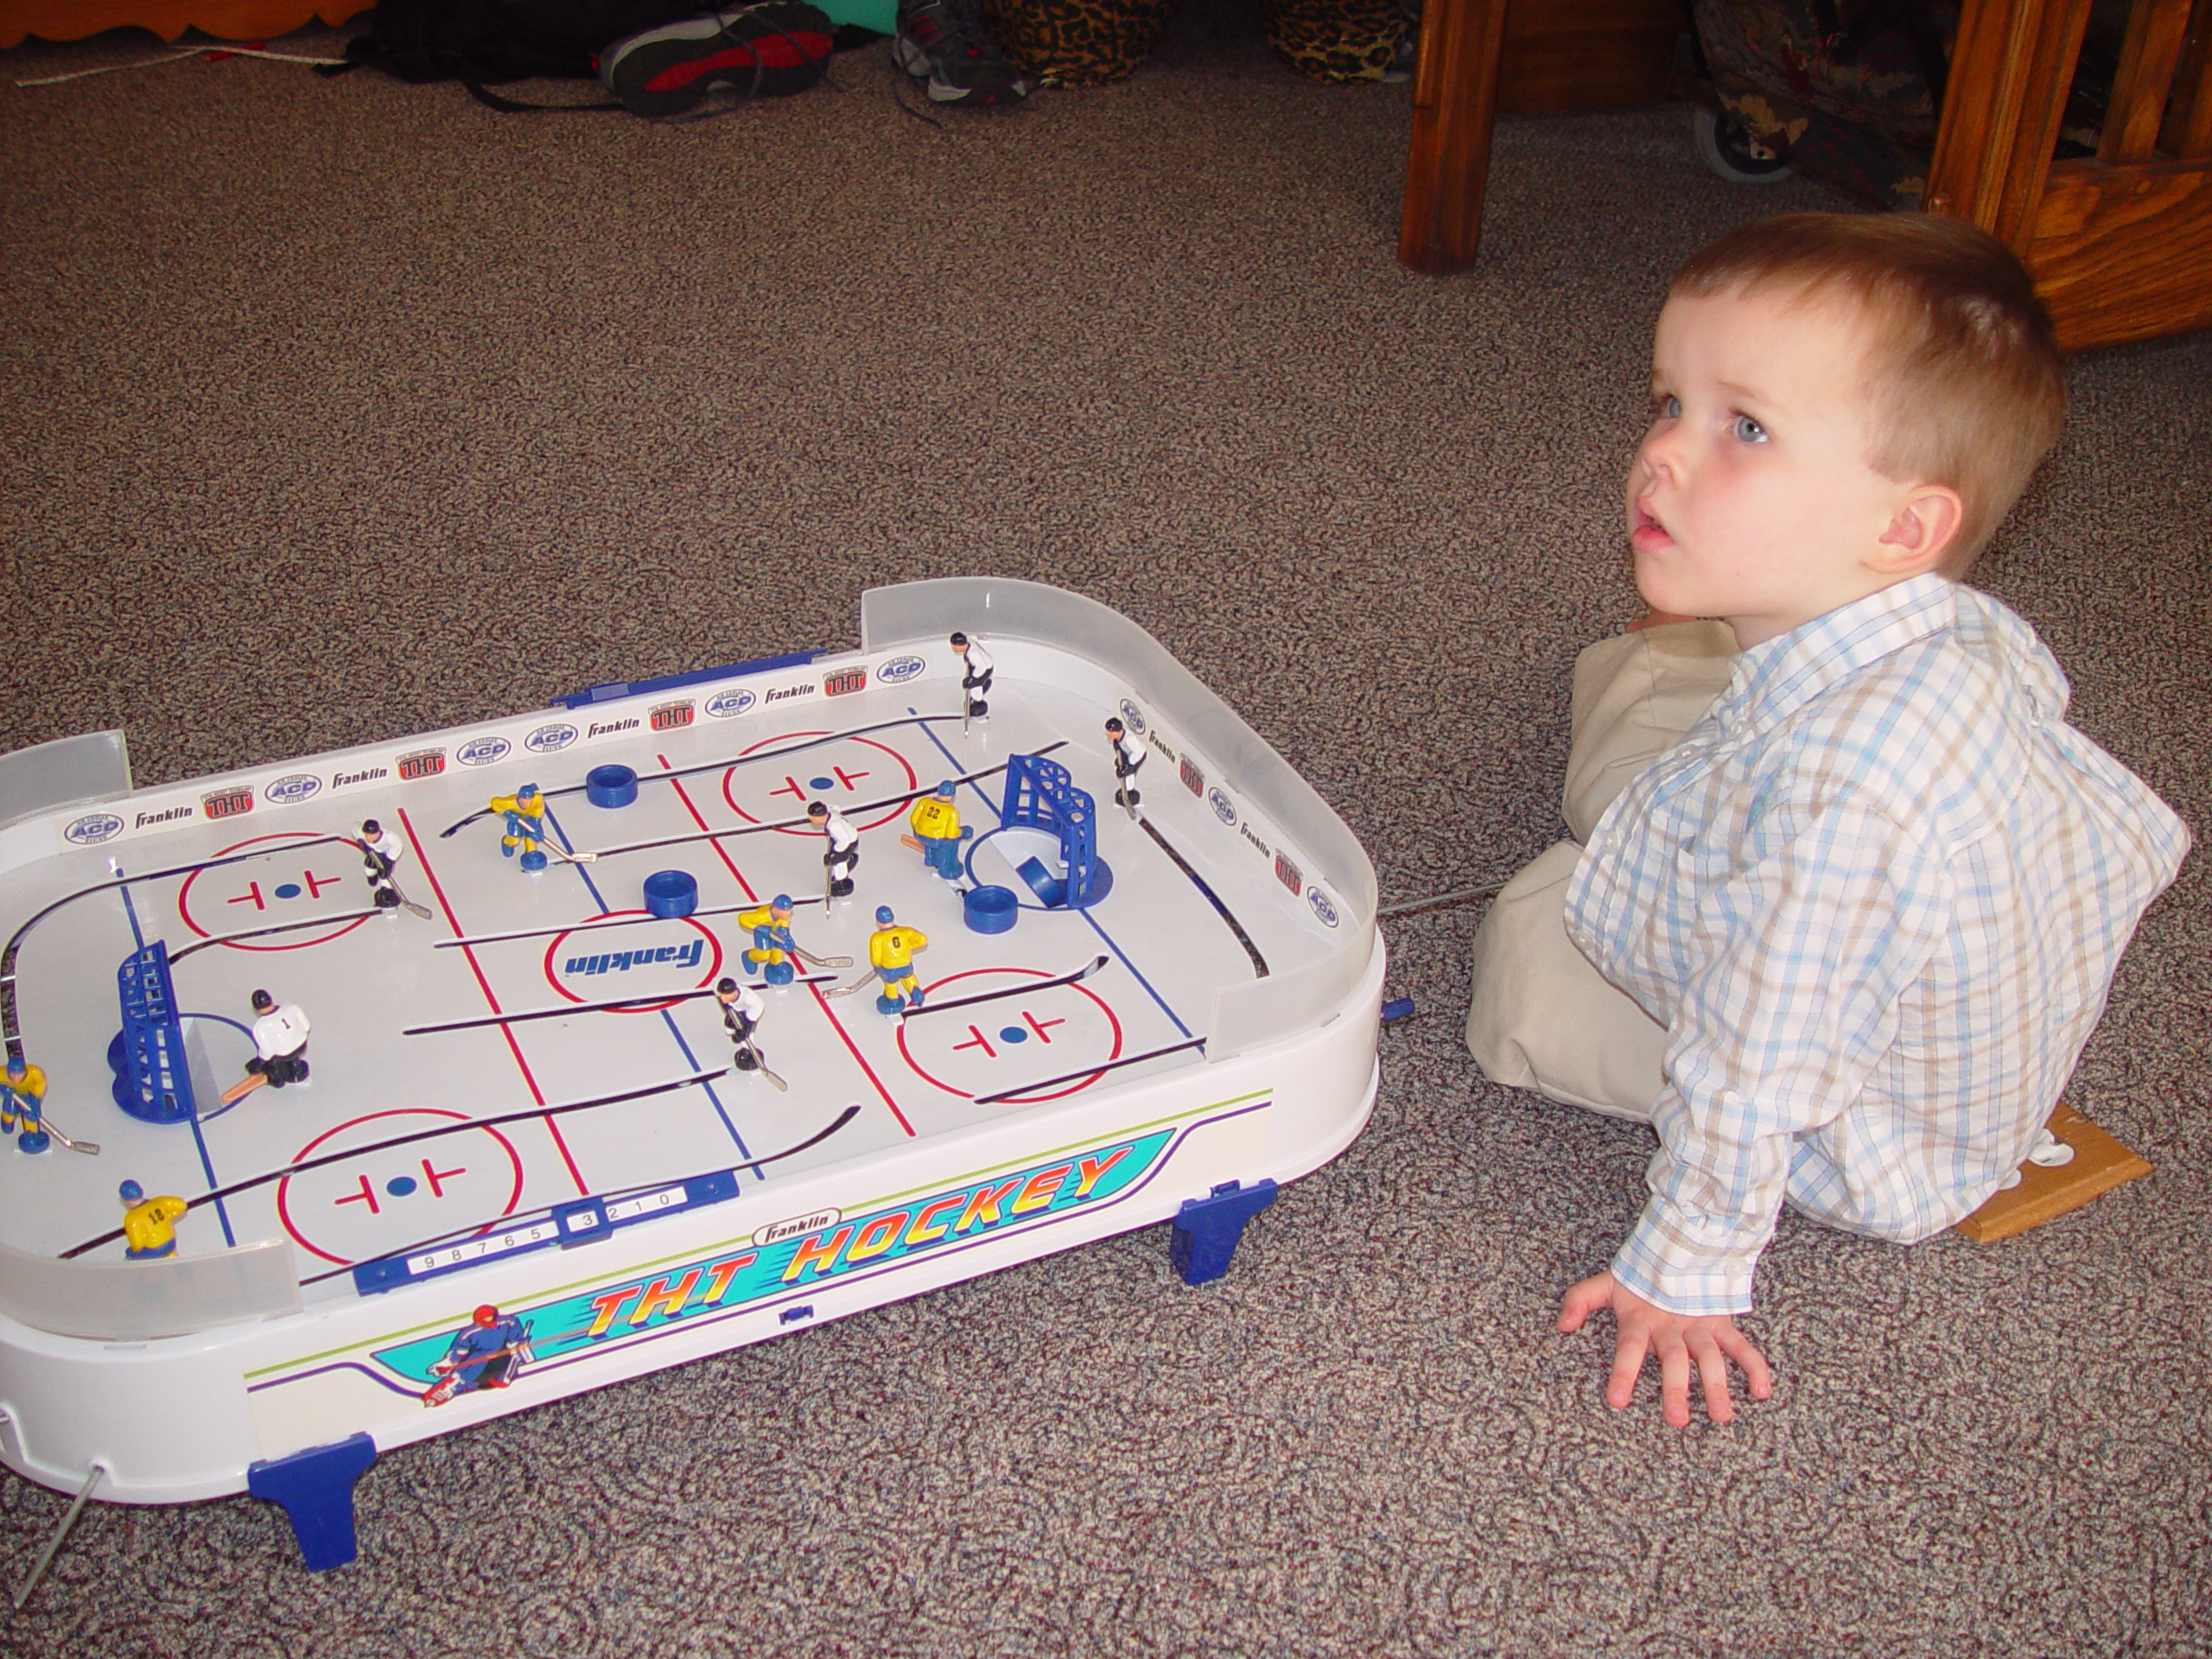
<point>2101,1163</point>
<point>228,19</point>
<point>1479,57</point>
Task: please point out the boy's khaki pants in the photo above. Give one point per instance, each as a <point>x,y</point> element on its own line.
<point>1541,1017</point>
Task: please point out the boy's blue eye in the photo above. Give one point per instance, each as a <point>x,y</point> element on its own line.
<point>1669,408</point>
<point>1749,430</point>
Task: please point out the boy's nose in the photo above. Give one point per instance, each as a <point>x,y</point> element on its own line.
<point>1658,455</point>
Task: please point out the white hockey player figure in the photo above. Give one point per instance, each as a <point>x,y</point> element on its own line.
<point>844,854</point>
<point>976,667</point>
<point>380,850</point>
<point>1129,753</point>
<point>280,1041</point>
<point>741,1010</point>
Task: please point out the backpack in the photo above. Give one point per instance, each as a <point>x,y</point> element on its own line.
<point>479,42</point>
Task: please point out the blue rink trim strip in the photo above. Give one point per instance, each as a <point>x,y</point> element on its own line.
<point>591,887</point>
<point>1105,938</point>
<point>206,1164</point>
<point>578,1221</point>
<point>697,676</point>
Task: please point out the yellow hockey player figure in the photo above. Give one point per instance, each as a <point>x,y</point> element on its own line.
<point>937,834</point>
<point>525,812</point>
<point>772,948</point>
<point>148,1224</point>
<point>890,952</point>
<point>22,1103</point>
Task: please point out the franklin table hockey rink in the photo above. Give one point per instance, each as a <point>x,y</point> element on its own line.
<point>525,1162</point>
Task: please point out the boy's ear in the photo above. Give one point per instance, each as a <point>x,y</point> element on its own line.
<point>1921,532</point>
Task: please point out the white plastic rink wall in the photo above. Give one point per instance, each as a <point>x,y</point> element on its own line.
<point>175,1378</point>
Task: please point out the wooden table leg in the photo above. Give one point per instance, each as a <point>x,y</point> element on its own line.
<point>1455,98</point>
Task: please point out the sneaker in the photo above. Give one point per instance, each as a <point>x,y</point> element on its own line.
<point>768,50</point>
<point>942,42</point>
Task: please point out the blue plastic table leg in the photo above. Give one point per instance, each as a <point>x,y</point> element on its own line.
<point>1206,1229</point>
<point>316,1489</point>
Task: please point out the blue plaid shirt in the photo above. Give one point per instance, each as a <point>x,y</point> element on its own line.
<point>1876,896</point>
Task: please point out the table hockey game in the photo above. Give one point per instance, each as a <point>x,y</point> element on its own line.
<point>526,1160</point>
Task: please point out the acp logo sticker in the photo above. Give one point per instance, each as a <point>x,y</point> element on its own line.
<point>290,791</point>
<point>548,740</point>
<point>728,705</point>
<point>483,751</point>
<point>1223,808</point>
<point>1323,906</point>
<point>93,828</point>
<point>1131,718</point>
<point>895,669</point>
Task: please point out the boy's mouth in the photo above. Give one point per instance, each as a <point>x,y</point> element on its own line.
<point>1645,533</point>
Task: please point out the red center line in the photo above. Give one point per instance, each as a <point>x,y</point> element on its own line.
<point>831,1015</point>
<point>826,1012</point>
<point>721,852</point>
<point>537,1095</point>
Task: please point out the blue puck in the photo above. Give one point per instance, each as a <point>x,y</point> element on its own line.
<point>671,892</point>
<point>1053,890</point>
<point>990,910</point>
<point>610,785</point>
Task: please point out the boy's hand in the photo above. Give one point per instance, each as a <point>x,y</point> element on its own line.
<point>1681,1340</point>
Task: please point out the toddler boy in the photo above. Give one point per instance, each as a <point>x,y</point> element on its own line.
<point>1849,892</point>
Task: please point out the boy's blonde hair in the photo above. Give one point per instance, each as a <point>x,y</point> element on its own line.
<point>1963,372</point>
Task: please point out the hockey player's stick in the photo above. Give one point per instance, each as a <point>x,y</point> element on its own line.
<point>90,1149</point>
<point>1027,986</point>
<point>1088,1072</point>
<point>761,1066</point>
<point>561,852</point>
<point>405,903</point>
<point>813,961</point>
<point>245,1086</point>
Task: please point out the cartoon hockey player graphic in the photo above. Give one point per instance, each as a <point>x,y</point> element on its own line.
<point>486,1352</point>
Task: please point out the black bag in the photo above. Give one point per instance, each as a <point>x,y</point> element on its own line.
<point>480,42</point>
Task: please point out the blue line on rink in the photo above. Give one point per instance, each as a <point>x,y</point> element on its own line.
<point>583,871</point>
<point>206,1164</point>
<point>1106,938</point>
<point>131,912</point>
